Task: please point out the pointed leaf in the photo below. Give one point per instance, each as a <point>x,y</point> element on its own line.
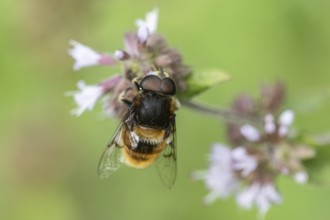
<point>318,168</point>
<point>201,81</point>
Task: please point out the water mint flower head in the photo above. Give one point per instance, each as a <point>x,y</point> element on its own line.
<point>262,148</point>
<point>144,51</point>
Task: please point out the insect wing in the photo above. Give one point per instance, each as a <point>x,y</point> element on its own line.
<point>167,164</point>
<point>112,157</point>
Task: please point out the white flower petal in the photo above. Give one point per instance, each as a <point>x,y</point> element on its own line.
<point>301,177</point>
<point>151,20</point>
<point>246,198</point>
<point>269,126</point>
<point>283,131</point>
<point>243,161</point>
<point>267,196</point>
<point>221,181</point>
<point>143,34</point>
<point>211,197</point>
<point>119,54</point>
<point>250,133</point>
<point>261,195</point>
<point>86,97</point>
<point>271,193</point>
<point>238,153</point>
<point>286,118</point>
<point>83,55</point>
<point>219,178</point>
<point>221,155</point>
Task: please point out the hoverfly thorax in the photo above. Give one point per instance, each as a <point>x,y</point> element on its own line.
<point>155,105</point>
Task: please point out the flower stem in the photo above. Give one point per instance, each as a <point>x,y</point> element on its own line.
<point>228,115</point>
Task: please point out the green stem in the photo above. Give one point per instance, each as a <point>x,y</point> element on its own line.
<point>227,115</point>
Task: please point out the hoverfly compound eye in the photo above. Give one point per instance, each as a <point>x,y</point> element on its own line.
<point>151,83</point>
<point>168,86</point>
<point>155,84</point>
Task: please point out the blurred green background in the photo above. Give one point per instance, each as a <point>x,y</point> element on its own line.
<point>48,158</point>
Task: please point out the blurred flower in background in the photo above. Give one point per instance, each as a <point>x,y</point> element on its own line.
<point>260,152</point>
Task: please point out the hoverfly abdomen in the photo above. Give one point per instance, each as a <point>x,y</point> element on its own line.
<point>151,144</point>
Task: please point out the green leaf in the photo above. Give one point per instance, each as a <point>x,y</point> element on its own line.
<point>201,81</point>
<point>317,167</point>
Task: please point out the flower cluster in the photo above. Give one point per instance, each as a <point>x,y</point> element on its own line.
<point>260,153</point>
<point>144,51</point>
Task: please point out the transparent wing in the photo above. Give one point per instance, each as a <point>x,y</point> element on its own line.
<point>167,164</point>
<point>112,157</point>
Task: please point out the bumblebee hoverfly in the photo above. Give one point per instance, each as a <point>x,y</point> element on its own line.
<point>147,132</point>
